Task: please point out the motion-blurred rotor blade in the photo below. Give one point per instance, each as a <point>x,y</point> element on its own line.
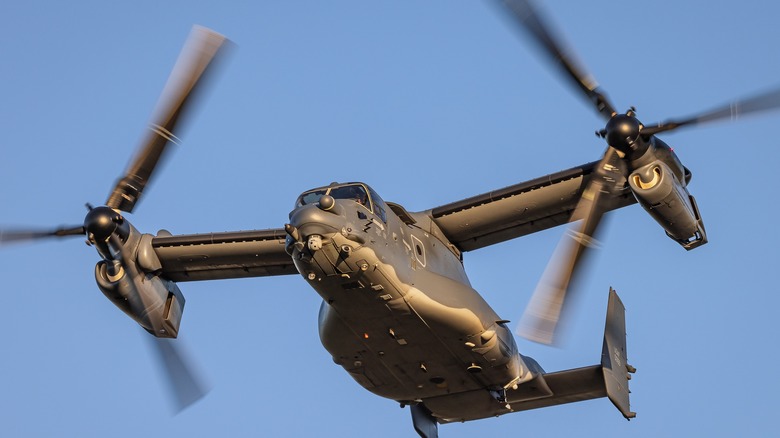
<point>185,386</point>
<point>197,55</point>
<point>524,14</point>
<point>18,236</point>
<point>763,102</point>
<point>539,322</point>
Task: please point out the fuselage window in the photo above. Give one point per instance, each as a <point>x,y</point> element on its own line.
<point>419,252</point>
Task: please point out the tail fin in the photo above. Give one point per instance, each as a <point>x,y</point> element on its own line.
<point>610,379</point>
<point>613,356</point>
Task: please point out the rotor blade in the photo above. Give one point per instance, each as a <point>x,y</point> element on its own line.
<point>18,236</point>
<point>539,322</point>
<point>185,386</point>
<point>766,101</point>
<point>523,14</point>
<point>201,48</point>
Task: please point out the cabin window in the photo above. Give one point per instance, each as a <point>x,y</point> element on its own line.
<point>419,250</point>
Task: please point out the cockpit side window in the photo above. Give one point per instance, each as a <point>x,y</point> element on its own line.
<point>379,205</point>
<point>310,197</point>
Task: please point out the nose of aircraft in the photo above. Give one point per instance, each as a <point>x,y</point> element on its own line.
<point>328,203</point>
<point>313,223</point>
<point>316,219</point>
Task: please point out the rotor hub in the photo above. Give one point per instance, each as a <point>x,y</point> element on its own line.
<point>101,222</point>
<point>622,132</point>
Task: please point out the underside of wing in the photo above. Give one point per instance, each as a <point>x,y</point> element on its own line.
<point>215,256</point>
<point>518,210</point>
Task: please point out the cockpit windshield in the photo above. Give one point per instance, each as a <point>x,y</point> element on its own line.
<point>354,191</point>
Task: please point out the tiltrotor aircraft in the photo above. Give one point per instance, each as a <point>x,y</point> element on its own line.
<point>398,312</point>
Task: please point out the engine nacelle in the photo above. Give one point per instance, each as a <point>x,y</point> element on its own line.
<point>154,303</point>
<point>666,198</point>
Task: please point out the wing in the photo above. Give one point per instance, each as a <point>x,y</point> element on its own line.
<point>216,256</point>
<point>518,210</point>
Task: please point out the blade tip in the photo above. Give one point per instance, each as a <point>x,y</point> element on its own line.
<point>535,333</point>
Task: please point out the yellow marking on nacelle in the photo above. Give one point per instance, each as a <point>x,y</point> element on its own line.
<point>649,185</point>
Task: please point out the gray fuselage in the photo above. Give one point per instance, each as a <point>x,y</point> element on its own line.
<point>398,311</point>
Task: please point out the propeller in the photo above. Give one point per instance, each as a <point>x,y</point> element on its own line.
<point>539,322</point>
<point>19,236</point>
<point>766,101</point>
<point>627,138</point>
<point>184,383</point>
<point>526,17</point>
<point>105,226</point>
<point>187,77</point>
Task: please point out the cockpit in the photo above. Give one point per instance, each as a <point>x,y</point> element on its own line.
<point>358,192</point>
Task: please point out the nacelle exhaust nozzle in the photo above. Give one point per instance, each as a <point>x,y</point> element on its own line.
<point>658,191</point>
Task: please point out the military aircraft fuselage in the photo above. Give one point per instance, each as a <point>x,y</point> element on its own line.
<point>398,311</point>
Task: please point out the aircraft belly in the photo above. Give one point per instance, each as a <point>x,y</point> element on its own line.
<point>399,343</point>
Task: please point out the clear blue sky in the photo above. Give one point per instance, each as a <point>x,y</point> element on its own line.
<point>429,102</point>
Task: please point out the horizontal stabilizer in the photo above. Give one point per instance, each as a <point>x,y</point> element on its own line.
<point>610,379</point>
<point>558,388</point>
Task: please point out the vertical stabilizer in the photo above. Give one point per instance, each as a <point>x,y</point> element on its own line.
<point>614,357</point>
